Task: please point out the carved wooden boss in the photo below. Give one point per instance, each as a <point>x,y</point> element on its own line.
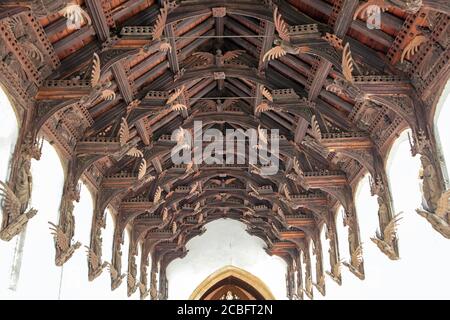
<point>107,82</point>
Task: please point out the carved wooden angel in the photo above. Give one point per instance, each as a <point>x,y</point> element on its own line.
<point>101,87</point>
<point>219,59</point>
<point>385,242</point>
<point>217,105</point>
<point>439,219</point>
<point>283,44</point>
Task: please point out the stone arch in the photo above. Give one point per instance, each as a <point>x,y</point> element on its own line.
<point>230,272</point>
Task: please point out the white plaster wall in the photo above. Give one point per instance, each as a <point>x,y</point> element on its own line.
<point>225,243</point>
<point>424,261</point>
<point>8,137</point>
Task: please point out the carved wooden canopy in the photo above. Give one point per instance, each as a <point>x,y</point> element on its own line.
<point>107,82</point>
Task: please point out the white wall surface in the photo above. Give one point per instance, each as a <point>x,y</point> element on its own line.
<point>225,243</point>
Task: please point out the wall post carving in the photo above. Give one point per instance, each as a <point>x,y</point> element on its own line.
<point>116,261</point>
<point>132,283</point>
<point>308,275</point>
<point>333,251</point>
<point>16,192</point>
<point>299,289</point>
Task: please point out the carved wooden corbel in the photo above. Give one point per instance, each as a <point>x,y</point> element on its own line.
<point>132,281</point>
<point>317,251</point>
<point>344,195</point>
<point>98,223</point>
<point>66,223</point>
<point>299,289</point>
<point>153,276</point>
<point>308,274</point>
<point>116,261</point>
<point>17,192</point>
<point>290,280</point>
<point>144,292</point>
<point>333,251</point>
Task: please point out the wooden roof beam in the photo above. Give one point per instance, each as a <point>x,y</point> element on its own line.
<point>99,19</point>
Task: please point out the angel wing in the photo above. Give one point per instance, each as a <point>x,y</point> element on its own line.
<point>135,152</point>
<point>286,193</point>
<point>92,257</point>
<point>412,47</point>
<point>231,55</point>
<point>281,25</point>
<point>124,132</point>
<point>108,94</point>
<point>143,288</point>
<point>157,196</point>
<point>362,9</point>
<point>255,190</point>
<point>86,16</point>
<point>189,166</point>
<point>165,47</point>
<point>194,188</point>
<point>174,96</point>
<point>390,230</point>
<point>266,93</point>
<point>347,63</point>
<point>357,257</point>
<point>178,107</point>
<point>255,170</point>
<point>142,169</point>
<point>11,202</point>
<point>262,135</point>
<point>96,69</point>
<point>158,27</point>
<point>208,104</point>
<point>263,107</point>
<point>180,137</point>
<point>174,227</point>
<point>180,239</point>
<point>112,271</point>
<point>61,239</point>
<point>229,103</point>
<point>315,128</point>
<point>297,167</point>
<point>443,206</point>
<point>165,215</point>
<point>206,57</point>
<point>274,53</point>
<point>216,181</point>
<point>230,181</point>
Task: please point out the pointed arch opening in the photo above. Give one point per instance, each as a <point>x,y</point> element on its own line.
<point>232,283</point>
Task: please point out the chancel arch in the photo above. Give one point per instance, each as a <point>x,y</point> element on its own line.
<point>238,249</point>
<point>231,283</point>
